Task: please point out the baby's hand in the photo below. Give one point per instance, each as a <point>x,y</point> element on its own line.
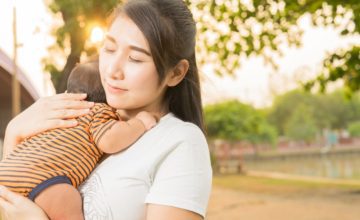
<point>147,119</point>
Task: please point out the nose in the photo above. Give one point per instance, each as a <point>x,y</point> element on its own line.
<point>115,69</point>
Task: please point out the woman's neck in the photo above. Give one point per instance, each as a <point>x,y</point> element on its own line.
<point>157,109</point>
<point>128,114</point>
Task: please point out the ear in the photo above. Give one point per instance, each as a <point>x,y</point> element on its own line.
<point>178,73</point>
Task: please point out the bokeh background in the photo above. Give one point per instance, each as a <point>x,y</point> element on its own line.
<point>280,83</point>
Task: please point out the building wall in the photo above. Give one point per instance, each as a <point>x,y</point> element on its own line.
<point>28,93</point>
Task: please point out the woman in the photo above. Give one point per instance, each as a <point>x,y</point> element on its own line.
<point>147,63</point>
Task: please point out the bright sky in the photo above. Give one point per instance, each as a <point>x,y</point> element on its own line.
<point>33,23</point>
<point>254,83</point>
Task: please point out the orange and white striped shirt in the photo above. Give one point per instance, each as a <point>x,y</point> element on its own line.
<point>70,153</point>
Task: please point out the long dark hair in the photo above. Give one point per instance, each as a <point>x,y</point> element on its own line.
<point>170,30</point>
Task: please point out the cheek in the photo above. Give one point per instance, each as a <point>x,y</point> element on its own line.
<point>102,65</point>
<point>149,89</point>
<point>134,74</point>
<point>103,69</point>
<point>145,81</point>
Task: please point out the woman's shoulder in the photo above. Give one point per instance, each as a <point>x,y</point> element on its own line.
<point>177,136</point>
<point>178,128</point>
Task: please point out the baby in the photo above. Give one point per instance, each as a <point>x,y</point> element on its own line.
<point>44,165</point>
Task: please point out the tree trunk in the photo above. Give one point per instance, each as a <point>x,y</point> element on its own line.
<point>77,42</point>
<point>71,61</point>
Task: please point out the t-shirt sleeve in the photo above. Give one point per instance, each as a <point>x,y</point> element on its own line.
<point>103,119</point>
<point>183,179</point>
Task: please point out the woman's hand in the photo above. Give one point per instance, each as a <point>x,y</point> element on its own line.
<point>15,206</point>
<point>56,111</point>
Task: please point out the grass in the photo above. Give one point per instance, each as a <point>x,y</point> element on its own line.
<point>279,186</point>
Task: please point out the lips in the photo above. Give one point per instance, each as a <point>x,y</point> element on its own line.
<point>114,89</point>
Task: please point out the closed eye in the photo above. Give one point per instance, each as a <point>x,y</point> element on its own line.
<point>109,50</point>
<point>134,60</point>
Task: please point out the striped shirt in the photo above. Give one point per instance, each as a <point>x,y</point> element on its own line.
<point>70,152</point>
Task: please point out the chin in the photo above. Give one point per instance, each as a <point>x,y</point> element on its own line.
<point>116,105</point>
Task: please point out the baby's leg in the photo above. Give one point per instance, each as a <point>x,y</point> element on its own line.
<point>61,201</point>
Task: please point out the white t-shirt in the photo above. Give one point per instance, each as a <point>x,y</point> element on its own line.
<point>168,165</point>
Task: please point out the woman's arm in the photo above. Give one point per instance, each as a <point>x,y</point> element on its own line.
<point>15,206</point>
<point>162,212</point>
<point>46,113</point>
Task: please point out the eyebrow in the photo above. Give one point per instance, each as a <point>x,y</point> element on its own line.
<point>133,47</point>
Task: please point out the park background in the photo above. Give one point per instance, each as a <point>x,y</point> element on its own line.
<point>280,92</point>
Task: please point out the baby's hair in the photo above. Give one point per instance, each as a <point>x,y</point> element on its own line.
<point>85,78</point>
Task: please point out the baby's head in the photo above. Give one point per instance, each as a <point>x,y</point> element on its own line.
<point>85,78</point>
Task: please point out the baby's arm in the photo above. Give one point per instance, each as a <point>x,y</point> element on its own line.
<point>123,133</point>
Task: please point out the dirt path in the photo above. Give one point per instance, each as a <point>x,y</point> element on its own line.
<point>228,204</point>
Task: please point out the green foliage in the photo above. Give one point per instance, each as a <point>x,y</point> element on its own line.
<point>235,121</point>
<point>301,124</point>
<point>354,129</point>
<point>236,29</point>
<point>341,65</point>
<point>54,73</point>
<point>285,105</point>
<point>78,18</point>
<point>333,110</point>
<point>78,15</point>
<point>281,185</point>
<point>337,109</point>
<point>229,31</point>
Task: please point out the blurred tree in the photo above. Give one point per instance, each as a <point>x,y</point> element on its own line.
<point>301,124</point>
<point>230,30</point>
<point>78,18</point>
<point>337,109</point>
<point>354,129</point>
<point>234,29</point>
<point>344,64</point>
<point>332,110</point>
<point>285,105</point>
<point>235,121</point>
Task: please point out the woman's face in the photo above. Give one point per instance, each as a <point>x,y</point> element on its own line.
<point>128,71</point>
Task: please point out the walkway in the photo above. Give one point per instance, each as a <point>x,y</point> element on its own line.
<point>228,204</point>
